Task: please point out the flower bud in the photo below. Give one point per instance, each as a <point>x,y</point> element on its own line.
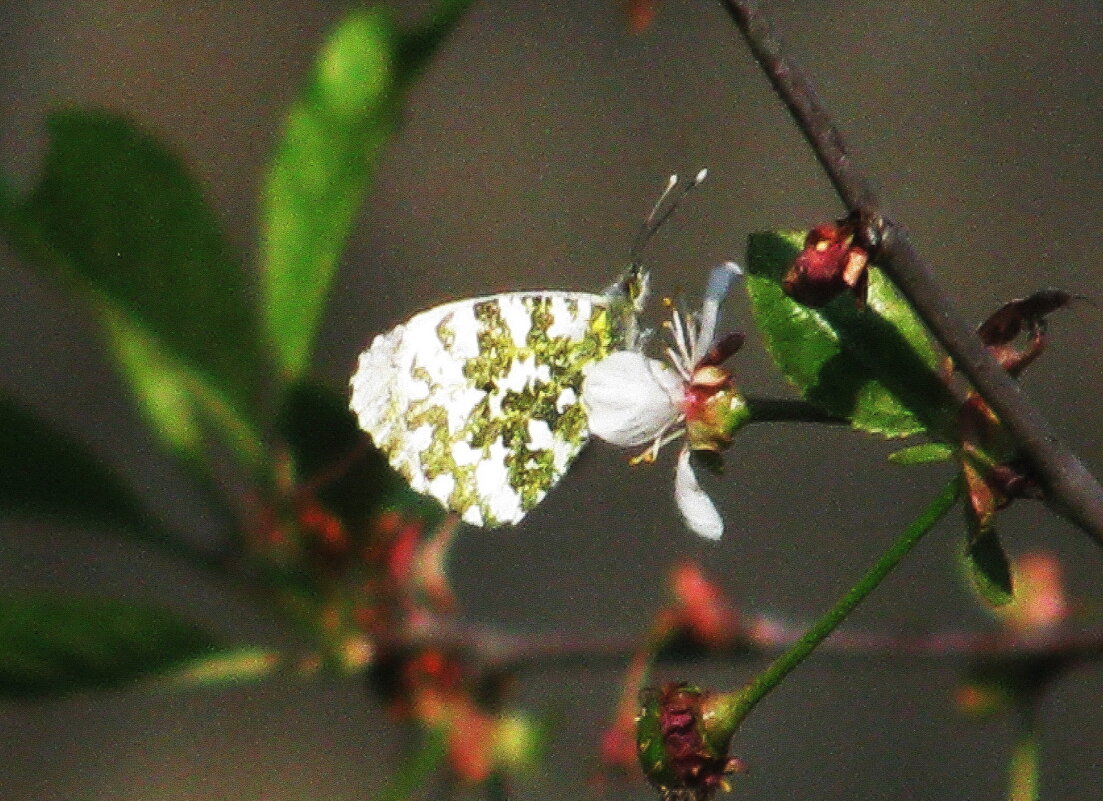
<point>701,609</point>
<point>1040,604</point>
<point>713,413</point>
<point>829,264</point>
<point>682,744</point>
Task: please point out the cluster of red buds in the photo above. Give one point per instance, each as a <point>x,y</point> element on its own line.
<point>433,685</point>
<point>372,585</point>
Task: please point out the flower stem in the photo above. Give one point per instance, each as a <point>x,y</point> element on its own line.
<point>1025,765</point>
<point>784,410</point>
<point>735,706</point>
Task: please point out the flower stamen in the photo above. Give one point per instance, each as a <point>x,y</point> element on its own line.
<point>678,329</point>
<point>676,361</point>
<point>662,439</point>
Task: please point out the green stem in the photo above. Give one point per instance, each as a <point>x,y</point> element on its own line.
<point>417,767</point>
<point>1025,766</point>
<point>785,410</point>
<point>733,707</point>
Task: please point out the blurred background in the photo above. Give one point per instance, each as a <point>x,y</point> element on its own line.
<point>531,148</point>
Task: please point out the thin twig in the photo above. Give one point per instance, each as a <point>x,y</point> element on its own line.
<point>493,651</point>
<point>1070,487</point>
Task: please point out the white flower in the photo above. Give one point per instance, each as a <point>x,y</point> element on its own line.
<point>694,503</point>
<point>632,400</point>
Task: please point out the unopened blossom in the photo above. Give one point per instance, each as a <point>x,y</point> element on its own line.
<point>831,262</point>
<point>682,741</point>
<point>633,400</point>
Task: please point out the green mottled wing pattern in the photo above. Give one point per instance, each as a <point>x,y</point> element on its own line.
<point>476,402</point>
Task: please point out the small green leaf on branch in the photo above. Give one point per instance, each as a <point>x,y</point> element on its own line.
<point>225,668</point>
<point>926,453</point>
<point>987,566</point>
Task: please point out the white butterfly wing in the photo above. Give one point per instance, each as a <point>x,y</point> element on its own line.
<point>476,402</point>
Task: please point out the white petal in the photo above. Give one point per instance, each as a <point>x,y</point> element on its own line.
<point>720,280</point>
<point>630,399</point>
<point>696,507</point>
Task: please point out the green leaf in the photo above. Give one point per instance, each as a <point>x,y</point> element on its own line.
<point>117,215</point>
<point>985,562</point>
<point>874,366</point>
<point>46,471</point>
<point>926,453</point>
<point>334,135</point>
<point>51,645</point>
<point>178,401</point>
<point>417,766</point>
<point>988,570</point>
<point>7,197</point>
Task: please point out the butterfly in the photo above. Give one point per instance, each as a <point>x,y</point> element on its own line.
<point>477,402</point>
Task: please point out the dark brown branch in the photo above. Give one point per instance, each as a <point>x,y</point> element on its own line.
<point>1070,487</point>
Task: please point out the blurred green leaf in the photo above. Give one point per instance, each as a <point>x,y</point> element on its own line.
<point>988,570</point>
<point>926,453</point>
<point>236,666</point>
<point>334,457</point>
<point>46,471</point>
<point>7,197</point>
<point>177,400</point>
<point>521,741</point>
<point>51,645</point>
<point>116,214</point>
<point>158,380</point>
<point>335,133</point>
<point>875,366</point>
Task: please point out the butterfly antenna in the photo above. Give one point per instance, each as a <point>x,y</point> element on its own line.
<point>666,204</point>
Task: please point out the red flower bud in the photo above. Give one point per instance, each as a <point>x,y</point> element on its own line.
<point>683,749</point>
<point>641,13</point>
<point>324,530</point>
<point>830,263</point>
<point>1040,604</point>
